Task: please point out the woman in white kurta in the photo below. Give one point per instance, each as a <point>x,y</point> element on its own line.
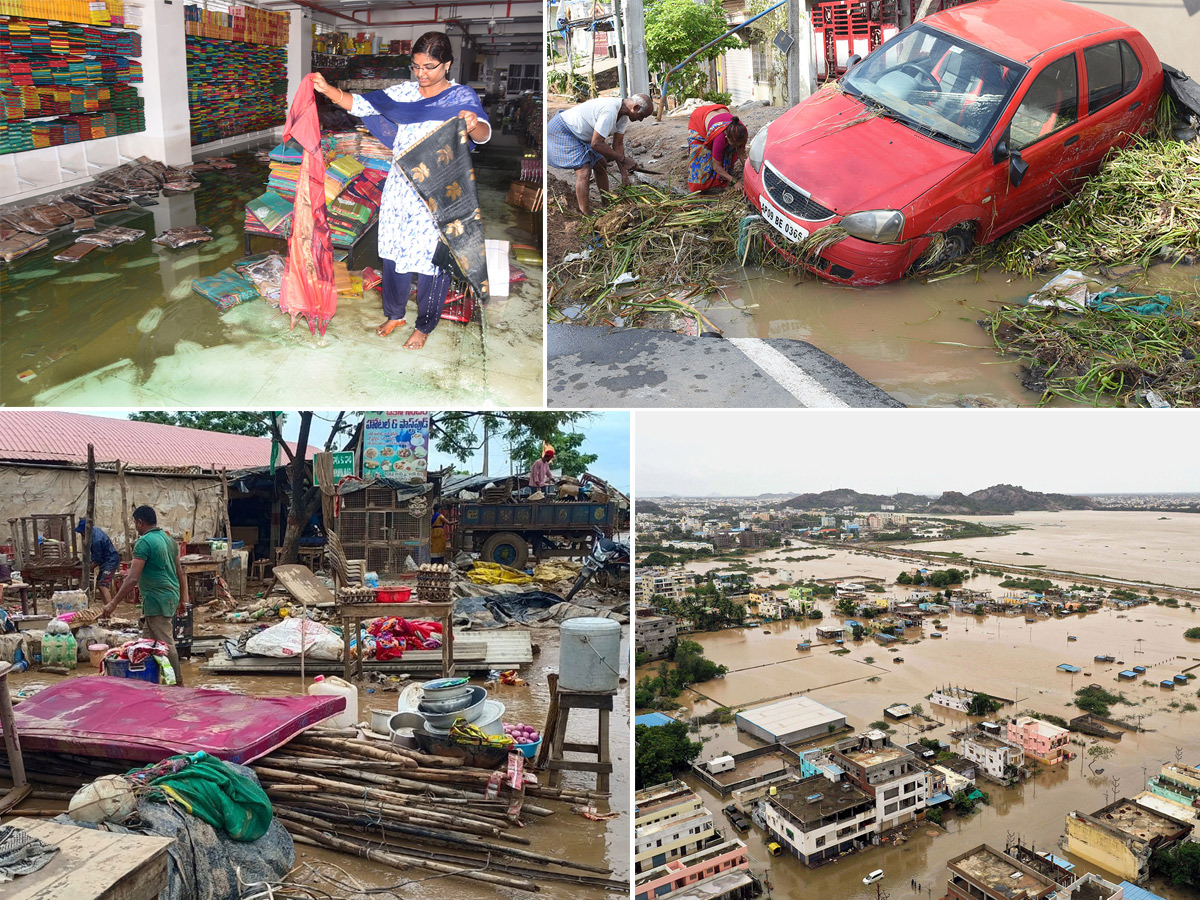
<point>408,235</point>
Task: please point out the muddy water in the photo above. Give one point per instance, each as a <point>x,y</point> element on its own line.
<point>889,334</point>
<point>1159,547</point>
<point>123,326</point>
<point>563,835</point>
<point>1006,657</point>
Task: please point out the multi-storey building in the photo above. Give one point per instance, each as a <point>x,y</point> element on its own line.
<point>1040,740</point>
<point>989,874</point>
<point>672,837</point>
<point>654,634</point>
<point>994,757</point>
<point>659,582</point>
<point>1121,837</point>
<point>723,867</point>
<point>817,820</point>
<point>887,772</point>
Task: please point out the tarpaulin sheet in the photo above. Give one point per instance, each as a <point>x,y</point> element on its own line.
<point>120,718</point>
<point>526,608</point>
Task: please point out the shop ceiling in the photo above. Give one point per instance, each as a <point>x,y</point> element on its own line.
<point>511,26</point>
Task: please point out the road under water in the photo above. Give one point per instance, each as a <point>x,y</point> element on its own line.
<point>920,342</point>
<point>1004,656</point>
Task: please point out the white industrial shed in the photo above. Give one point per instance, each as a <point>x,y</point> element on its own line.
<point>789,721</point>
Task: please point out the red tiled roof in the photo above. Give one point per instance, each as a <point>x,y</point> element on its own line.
<point>51,436</point>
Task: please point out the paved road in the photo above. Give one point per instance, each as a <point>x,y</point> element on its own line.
<point>592,367</point>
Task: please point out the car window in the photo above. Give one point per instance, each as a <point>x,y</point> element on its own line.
<point>1104,75</point>
<point>1050,104</point>
<point>1131,66</point>
<point>937,83</point>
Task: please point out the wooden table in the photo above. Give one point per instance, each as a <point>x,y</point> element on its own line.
<point>92,865</point>
<point>193,568</point>
<point>23,591</point>
<point>354,614</point>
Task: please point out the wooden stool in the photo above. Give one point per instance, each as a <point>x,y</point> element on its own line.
<point>562,701</point>
<point>12,746</point>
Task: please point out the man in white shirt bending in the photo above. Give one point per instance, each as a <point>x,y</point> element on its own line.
<point>586,137</point>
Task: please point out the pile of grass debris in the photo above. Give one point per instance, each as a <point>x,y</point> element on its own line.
<point>673,247</point>
<point>1105,355</point>
<point>1143,205</point>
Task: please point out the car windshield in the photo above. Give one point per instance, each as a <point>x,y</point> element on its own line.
<point>937,84</point>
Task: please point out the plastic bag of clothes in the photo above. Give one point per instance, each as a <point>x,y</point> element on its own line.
<point>112,236</point>
<point>284,640</point>
<point>266,274</point>
<point>19,244</point>
<point>226,289</point>
<point>183,237</point>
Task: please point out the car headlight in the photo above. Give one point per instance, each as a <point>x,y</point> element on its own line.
<point>758,147</point>
<point>879,225</point>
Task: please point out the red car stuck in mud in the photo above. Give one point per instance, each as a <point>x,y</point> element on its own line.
<point>960,128</point>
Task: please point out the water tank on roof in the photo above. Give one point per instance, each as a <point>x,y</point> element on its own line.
<point>589,654</point>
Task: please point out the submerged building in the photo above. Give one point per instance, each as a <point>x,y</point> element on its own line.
<point>1121,837</point>
<point>791,720</point>
<point>1040,740</point>
<point>889,773</point>
<point>816,819</point>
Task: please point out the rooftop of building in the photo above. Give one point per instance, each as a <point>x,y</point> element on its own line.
<point>983,739</point>
<point>1044,728</point>
<point>814,798</point>
<point>1135,820</point>
<point>668,823</point>
<point>658,796</point>
<point>792,714</point>
<point>1001,874</point>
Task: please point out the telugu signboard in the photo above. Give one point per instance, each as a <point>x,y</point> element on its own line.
<point>396,445</point>
<point>343,466</point>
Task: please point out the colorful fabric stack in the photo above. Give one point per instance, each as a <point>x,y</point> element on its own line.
<point>18,136</point>
<point>270,212</point>
<point>338,174</point>
<point>32,101</point>
<point>342,143</point>
<point>94,12</point>
<point>243,23</point>
<point>373,154</point>
<point>284,169</point>
<point>234,87</point>
<point>226,289</point>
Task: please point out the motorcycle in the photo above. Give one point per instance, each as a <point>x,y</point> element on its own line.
<point>608,557</point>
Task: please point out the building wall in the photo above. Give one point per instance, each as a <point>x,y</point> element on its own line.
<point>905,804</point>
<point>949,701</point>
<point>693,870</point>
<point>189,503</point>
<point>815,845</point>
<point>654,635</point>
<point>1105,849</point>
<point>671,841</point>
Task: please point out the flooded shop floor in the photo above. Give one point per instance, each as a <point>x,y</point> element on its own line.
<point>919,342</point>
<point>563,835</point>
<point>1005,657</point>
<point>123,327</point>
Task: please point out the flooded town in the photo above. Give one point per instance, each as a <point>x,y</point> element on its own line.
<point>314,655</point>
<point>863,693</point>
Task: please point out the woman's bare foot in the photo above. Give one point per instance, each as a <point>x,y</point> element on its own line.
<point>388,327</point>
<point>416,340</point>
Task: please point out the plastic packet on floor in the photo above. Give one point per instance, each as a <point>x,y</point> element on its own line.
<point>75,252</point>
<point>183,237</point>
<point>267,275</point>
<point>226,289</point>
<point>18,245</point>
<point>113,235</point>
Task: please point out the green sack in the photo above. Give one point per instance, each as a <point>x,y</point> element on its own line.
<point>214,792</point>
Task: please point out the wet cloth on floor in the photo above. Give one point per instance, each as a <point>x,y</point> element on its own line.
<point>214,791</point>
<point>226,289</point>
<point>21,853</point>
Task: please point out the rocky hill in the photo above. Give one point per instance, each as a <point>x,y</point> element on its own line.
<point>999,499</point>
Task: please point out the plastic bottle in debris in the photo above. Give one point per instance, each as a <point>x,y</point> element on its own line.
<point>337,687</point>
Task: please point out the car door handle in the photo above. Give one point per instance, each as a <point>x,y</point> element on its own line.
<point>1135,104</point>
<point>1069,141</point>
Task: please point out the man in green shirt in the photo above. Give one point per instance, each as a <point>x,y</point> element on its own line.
<point>159,578</point>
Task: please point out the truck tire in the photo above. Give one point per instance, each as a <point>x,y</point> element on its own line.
<point>506,548</point>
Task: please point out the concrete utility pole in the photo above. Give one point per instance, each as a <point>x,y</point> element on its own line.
<point>802,68</point>
<point>622,78</point>
<point>637,68</point>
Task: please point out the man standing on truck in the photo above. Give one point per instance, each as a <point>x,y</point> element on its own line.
<point>539,474</point>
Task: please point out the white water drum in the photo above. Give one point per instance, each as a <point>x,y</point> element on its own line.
<point>589,654</point>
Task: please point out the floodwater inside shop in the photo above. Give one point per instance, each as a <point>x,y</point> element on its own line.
<point>905,337</point>
<point>563,835</point>
<point>123,327</point>
<point>1002,655</point>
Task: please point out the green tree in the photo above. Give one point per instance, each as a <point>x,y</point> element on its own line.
<point>934,815</point>
<point>982,705</point>
<point>1179,865</point>
<point>567,455</point>
<point>904,578</point>
<point>662,750</point>
<point>657,558</point>
<point>674,30</point>
<point>460,434</point>
<point>1096,753</point>
<point>815,614</point>
<point>1192,634</point>
<point>254,424</point>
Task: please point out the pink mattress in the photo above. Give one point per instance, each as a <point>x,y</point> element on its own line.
<point>121,718</point>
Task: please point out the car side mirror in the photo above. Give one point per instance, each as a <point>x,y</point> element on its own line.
<point>1017,168</point>
<point>1000,151</point>
<point>854,60</point>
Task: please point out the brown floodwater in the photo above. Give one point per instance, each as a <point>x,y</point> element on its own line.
<point>1004,656</point>
<point>891,334</point>
<point>563,835</point>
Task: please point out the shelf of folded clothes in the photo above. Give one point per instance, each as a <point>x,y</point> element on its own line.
<point>356,167</point>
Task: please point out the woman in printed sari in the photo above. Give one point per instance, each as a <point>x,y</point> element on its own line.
<point>716,140</point>
<point>408,235</point>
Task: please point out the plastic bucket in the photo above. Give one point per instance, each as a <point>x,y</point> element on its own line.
<point>393,595</point>
<point>96,654</point>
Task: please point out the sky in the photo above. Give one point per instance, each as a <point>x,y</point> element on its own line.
<point>748,452</point>
<point>607,436</point>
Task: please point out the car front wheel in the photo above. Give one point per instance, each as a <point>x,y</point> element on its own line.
<point>954,244</point>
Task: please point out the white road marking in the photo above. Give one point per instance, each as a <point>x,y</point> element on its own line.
<point>806,389</point>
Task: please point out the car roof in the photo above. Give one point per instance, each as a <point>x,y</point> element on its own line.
<point>1003,25</point>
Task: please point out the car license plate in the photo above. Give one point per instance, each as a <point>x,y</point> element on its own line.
<point>780,222</point>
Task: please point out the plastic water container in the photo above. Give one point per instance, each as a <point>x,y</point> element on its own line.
<point>332,686</point>
<point>589,654</point>
<point>59,650</point>
<point>147,670</point>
